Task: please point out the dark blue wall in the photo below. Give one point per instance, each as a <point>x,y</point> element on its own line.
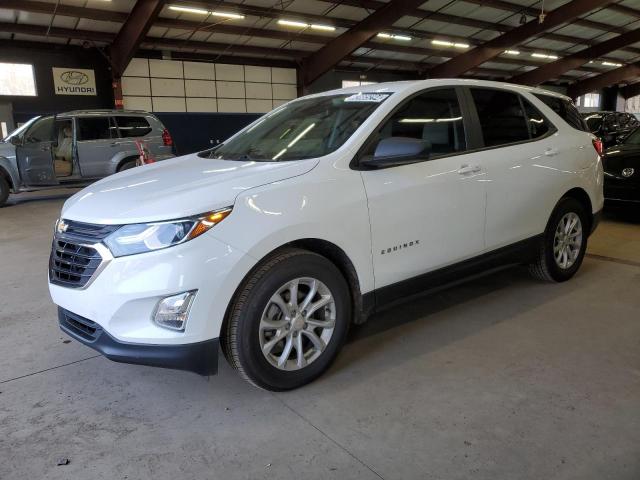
<point>193,132</point>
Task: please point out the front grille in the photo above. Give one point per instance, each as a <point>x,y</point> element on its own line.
<point>73,260</point>
<point>79,326</point>
<point>72,265</point>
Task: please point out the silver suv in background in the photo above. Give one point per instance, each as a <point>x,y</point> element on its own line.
<point>76,148</point>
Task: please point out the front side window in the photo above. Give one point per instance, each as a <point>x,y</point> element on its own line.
<point>501,116</point>
<point>132,126</point>
<point>433,117</point>
<point>40,131</point>
<point>93,128</point>
<point>306,128</point>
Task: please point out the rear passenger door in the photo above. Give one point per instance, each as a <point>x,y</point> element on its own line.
<point>97,142</point>
<point>517,147</point>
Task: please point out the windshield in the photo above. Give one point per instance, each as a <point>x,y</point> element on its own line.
<point>305,128</point>
<point>593,121</point>
<point>633,138</point>
<point>18,131</point>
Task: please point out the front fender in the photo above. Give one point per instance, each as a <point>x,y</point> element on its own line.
<point>9,166</point>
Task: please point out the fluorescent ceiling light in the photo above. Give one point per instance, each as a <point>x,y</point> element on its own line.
<point>403,38</point>
<point>544,55</point>
<point>234,16</point>
<point>291,23</point>
<point>446,43</point>
<point>178,8</point>
<point>611,64</point>
<point>201,11</point>
<point>512,52</point>
<point>326,28</point>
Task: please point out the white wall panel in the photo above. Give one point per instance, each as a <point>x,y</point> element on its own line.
<point>136,86</point>
<point>137,103</point>
<point>283,75</point>
<point>138,67</point>
<point>200,88</point>
<point>165,68</point>
<point>230,89</point>
<point>199,70</point>
<point>167,87</point>
<point>169,104</point>
<point>257,74</point>
<point>258,90</point>
<point>231,105</point>
<point>258,106</point>
<point>202,105</point>
<point>284,92</point>
<point>229,72</point>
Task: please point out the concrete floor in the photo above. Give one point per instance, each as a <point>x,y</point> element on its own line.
<point>501,378</point>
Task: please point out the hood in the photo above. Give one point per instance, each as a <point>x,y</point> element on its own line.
<point>175,188</point>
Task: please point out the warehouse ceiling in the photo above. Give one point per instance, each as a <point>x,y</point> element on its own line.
<point>585,44</point>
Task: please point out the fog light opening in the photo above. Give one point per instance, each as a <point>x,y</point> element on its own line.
<point>173,312</point>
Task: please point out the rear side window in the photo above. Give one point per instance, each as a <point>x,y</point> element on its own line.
<point>93,128</point>
<point>133,126</point>
<point>502,119</point>
<point>565,109</point>
<point>538,125</point>
<point>433,116</point>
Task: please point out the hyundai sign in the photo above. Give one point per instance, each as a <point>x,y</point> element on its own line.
<point>74,81</point>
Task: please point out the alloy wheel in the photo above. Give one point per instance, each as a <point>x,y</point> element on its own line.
<point>567,240</point>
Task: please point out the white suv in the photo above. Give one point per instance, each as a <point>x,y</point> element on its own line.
<point>315,215</point>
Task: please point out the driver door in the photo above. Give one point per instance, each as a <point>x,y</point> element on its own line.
<point>35,156</point>
<point>429,212</point>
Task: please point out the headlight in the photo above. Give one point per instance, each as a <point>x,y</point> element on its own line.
<point>146,237</point>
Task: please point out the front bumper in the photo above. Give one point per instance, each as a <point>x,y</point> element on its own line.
<point>200,357</point>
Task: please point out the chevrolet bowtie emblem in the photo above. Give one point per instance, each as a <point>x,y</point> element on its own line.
<point>62,227</point>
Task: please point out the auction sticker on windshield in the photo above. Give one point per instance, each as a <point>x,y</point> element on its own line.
<point>367,97</point>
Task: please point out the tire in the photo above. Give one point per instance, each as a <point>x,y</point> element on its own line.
<point>546,267</point>
<point>4,190</point>
<point>253,317</point>
<point>127,165</point>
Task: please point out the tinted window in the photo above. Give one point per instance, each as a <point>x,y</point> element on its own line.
<point>93,128</point>
<point>41,131</point>
<point>434,117</point>
<point>133,126</point>
<point>502,119</point>
<point>538,125</point>
<point>566,110</point>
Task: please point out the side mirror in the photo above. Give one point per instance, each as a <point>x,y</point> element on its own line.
<point>16,141</point>
<point>393,151</point>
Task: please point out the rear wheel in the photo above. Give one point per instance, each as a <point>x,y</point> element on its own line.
<point>4,190</point>
<point>563,246</point>
<point>128,165</point>
<point>288,321</point>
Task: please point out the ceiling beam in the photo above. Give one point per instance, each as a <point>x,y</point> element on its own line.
<point>491,49</point>
<point>132,32</point>
<point>572,62</point>
<point>497,27</point>
<point>324,59</point>
<point>607,79</point>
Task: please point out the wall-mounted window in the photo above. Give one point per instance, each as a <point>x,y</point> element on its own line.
<point>589,100</point>
<point>355,83</point>
<point>17,79</point>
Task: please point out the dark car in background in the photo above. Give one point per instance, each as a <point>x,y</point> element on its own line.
<point>622,170</point>
<point>611,127</point>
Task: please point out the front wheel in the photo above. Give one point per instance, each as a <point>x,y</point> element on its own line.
<point>288,321</point>
<point>564,243</point>
<point>4,190</point>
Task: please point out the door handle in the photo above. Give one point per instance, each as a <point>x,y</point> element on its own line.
<point>551,152</point>
<point>115,144</point>
<point>464,169</point>
<point>45,148</point>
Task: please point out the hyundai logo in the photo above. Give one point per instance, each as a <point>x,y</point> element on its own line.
<point>627,172</point>
<point>73,77</point>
